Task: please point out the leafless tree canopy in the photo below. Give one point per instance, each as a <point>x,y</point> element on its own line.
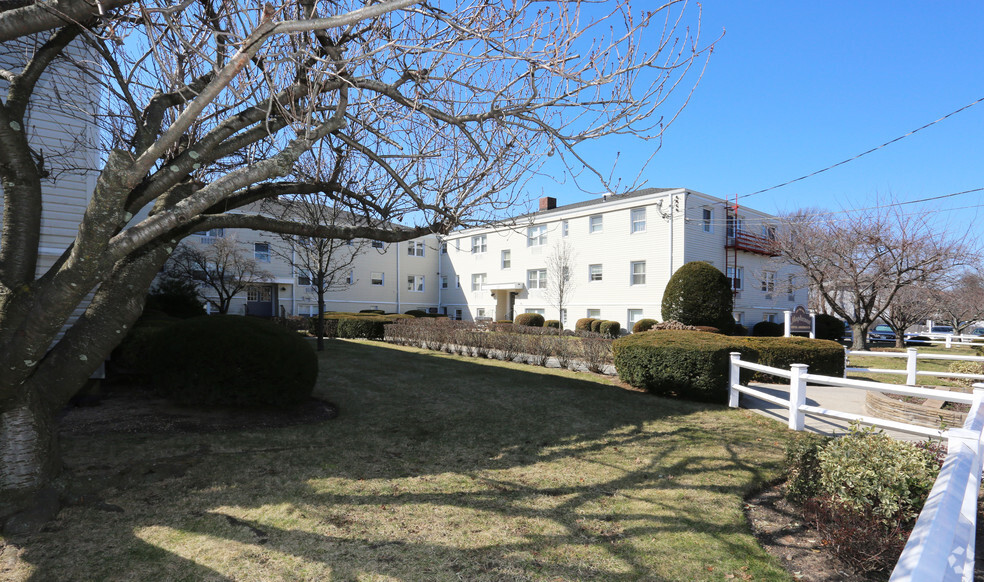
<point>222,268</point>
<point>561,264</point>
<point>858,263</point>
<point>205,106</point>
<point>961,302</point>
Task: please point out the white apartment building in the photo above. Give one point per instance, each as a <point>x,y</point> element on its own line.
<point>623,250</point>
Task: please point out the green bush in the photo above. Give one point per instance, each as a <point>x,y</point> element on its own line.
<point>552,323</point>
<point>136,349</point>
<point>823,357</point>
<point>529,319</point>
<point>596,325</point>
<point>417,313</point>
<point>739,330</point>
<point>768,329</point>
<point>803,466</point>
<point>964,367</point>
<point>175,297</point>
<point>690,364</point>
<point>699,294</point>
<point>362,328</point>
<point>230,360</point>
<point>373,311</point>
<point>870,470</point>
<point>828,327</point>
<point>583,324</point>
<point>643,325</point>
<point>610,329</point>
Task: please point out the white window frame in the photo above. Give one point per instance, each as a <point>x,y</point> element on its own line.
<point>377,276</point>
<point>378,244</point>
<point>262,256</point>
<point>595,313</point>
<point>506,259</point>
<point>595,272</point>
<point>739,317</point>
<point>769,282</point>
<point>477,281</point>
<point>707,218</point>
<point>636,277</point>
<point>415,249</point>
<point>637,220</point>
<point>770,317</point>
<point>536,235</point>
<point>565,228</point>
<point>479,312</point>
<point>444,281</point>
<point>415,283</point>
<point>350,278</point>
<point>596,223</point>
<point>479,244</point>
<point>631,321</point>
<point>536,279</point>
<point>736,275</point>
<point>537,310</point>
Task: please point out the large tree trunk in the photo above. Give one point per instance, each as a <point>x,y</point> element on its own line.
<point>28,446</point>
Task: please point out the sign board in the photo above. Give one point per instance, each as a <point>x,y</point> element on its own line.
<point>800,322</point>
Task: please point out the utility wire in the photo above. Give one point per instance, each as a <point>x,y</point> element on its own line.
<point>841,163</point>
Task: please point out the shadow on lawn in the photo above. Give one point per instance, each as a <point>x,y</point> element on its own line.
<point>408,421</point>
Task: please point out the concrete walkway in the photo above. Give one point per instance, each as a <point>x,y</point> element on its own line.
<point>835,398</point>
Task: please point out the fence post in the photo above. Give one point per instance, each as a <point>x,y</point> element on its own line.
<point>949,341</point>
<point>734,378</point>
<point>797,395</point>
<point>787,317</point>
<point>910,366</point>
<point>813,324</point>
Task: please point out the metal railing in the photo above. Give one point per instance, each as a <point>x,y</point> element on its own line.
<point>941,545</point>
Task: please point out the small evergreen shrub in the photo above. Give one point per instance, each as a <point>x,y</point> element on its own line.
<point>803,466</point>
<point>768,329</point>
<point>417,313</point>
<point>610,329</point>
<point>739,330</point>
<point>552,323</point>
<point>596,325</point>
<point>828,327</point>
<point>645,324</point>
<point>699,294</point>
<point>175,297</point>
<point>529,319</point>
<point>231,360</point>
<point>362,327</point>
<point>583,324</point>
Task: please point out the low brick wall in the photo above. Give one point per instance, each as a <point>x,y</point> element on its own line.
<point>881,406</point>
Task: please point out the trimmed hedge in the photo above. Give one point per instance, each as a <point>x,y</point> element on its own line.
<point>829,327</point>
<point>643,325</point>
<point>583,324</point>
<point>610,329</point>
<point>695,364</point>
<point>768,329</point>
<point>529,319</point>
<point>362,325</point>
<point>552,323</point>
<point>596,325</point>
<point>232,360</point>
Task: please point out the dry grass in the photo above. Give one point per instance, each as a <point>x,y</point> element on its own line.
<point>438,468</point>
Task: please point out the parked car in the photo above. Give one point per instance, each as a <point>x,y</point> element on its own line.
<point>881,333</point>
<point>941,329</point>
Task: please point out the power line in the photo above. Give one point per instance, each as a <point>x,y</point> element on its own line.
<point>841,163</point>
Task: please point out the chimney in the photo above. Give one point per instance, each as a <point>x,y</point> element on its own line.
<point>548,203</point>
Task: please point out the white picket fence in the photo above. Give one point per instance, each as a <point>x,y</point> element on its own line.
<point>941,546</point>
<point>912,357</point>
<point>947,340</point>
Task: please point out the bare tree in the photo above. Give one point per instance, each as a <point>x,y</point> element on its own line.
<point>222,266</point>
<point>560,276</point>
<point>911,305</point>
<point>324,262</point>
<point>961,303</point>
<point>858,263</point>
<point>202,108</point>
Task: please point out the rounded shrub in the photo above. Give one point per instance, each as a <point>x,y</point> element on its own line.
<point>529,319</point>
<point>829,327</point>
<point>373,311</point>
<point>645,324</point>
<point>417,313</point>
<point>552,323</point>
<point>362,327</point>
<point>596,325</point>
<point>739,330</point>
<point>175,297</point>
<point>699,294</point>
<point>583,324</point>
<point>610,329</point>
<point>768,329</point>
<point>231,360</point>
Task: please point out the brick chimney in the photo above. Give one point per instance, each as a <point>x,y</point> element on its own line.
<point>548,203</point>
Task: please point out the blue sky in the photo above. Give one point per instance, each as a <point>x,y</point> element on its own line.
<point>793,87</point>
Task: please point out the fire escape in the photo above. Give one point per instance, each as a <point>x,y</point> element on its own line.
<point>737,238</point>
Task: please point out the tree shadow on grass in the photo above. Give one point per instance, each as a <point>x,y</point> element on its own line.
<point>439,468</point>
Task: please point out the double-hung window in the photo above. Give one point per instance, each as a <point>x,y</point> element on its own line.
<point>769,282</point>
<point>536,235</point>
<point>478,244</point>
<point>707,217</point>
<point>261,252</point>
<point>638,219</point>
<point>376,278</point>
<point>536,279</point>
<point>478,280</point>
<point>594,272</point>
<point>736,276</point>
<point>415,283</point>
<point>415,249</point>
<point>595,223</point>
<point>638,270</point>
<point>506,259</point>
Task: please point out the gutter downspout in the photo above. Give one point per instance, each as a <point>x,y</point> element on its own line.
<point>398,255</point>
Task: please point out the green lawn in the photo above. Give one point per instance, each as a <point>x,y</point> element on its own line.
<point>899,364</point>
<point>438,468</point>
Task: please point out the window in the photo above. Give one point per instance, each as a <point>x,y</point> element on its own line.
<point>478,279</point>
<point>444,248</point>
<point>457,281</point>
<point>595,313</point>
<point>415,283</point>
<point>415,249</point>
<point>769,232</point>
<point>376,279</point>
<point>707,216</point>
<point>536,279</point>
<point>444,281</point>
<point>457,314</point>
<point>732,223</point>
<point>638,270</point>
<point>634,316</point>
<point>478,244</point>
<point>304,278</point>
<point>739,317</point>
<point>770,317</point>
<point>209,236</point>
<point>594,223</point>
<point>736,277</point>
<point>790,289</point>
<point>350,279</point>
<point>480,312</point>
<point>769,282</point>
<point>564,228</point>
<point>536,235</point>
<point>637,217</point>
<point>594,272</point>
<point>261,251</point>
<point>563,317</point>
<point>377,244</point>
<point>537,310</point>
<point>506,259</point>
